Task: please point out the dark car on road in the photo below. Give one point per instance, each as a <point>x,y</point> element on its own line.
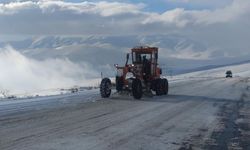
<point>229,74</point>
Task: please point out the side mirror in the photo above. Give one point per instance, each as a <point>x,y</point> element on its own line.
<point>127,59</point>
<point>160,71</point>
<point>127,55</point>
<point>156,55</point>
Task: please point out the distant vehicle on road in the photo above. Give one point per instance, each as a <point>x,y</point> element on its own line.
<point>229,74</point>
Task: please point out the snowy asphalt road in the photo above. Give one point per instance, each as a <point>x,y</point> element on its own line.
<point>196,114</point>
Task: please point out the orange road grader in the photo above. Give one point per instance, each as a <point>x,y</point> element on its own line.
<point>140,77</point>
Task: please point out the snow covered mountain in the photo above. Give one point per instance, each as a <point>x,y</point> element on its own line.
<point>177,54</point>
<point>173,42</point>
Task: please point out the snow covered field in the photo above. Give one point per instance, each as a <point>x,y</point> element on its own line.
<point>203,110</point>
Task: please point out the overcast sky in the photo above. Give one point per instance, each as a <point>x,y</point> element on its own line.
<point>221,23</point>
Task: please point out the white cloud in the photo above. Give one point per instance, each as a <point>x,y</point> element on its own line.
<point>189,53</point>
<point>15,7</point>
<point>171,17</point>
<point>211,4</point>
<point>229,13</point>
<point>223,28</point>
<point>47,6</point>
<point>59,17</point>
<point>181,17</point>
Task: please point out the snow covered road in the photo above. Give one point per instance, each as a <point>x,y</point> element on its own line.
<point>197,114</point>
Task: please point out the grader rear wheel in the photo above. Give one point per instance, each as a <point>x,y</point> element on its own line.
<point>165,84</point>
<point>159,87</point>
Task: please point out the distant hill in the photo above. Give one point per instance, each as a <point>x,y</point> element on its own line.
<point>177,54</point>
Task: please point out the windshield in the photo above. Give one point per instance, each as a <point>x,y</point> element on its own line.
<point>139,57</point>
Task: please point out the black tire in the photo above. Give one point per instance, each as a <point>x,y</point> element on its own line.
<point>105,88</point>
<point>158,87</point>
<point>119,84</point>
<point>165,83</point>
<point>137,89</point>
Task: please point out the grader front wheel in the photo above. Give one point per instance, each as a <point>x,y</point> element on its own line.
<point>105,88</point>
<point>137,88</point>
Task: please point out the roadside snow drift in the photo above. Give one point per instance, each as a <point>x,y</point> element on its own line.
<point>242,70</point>
<point>20,74</point>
